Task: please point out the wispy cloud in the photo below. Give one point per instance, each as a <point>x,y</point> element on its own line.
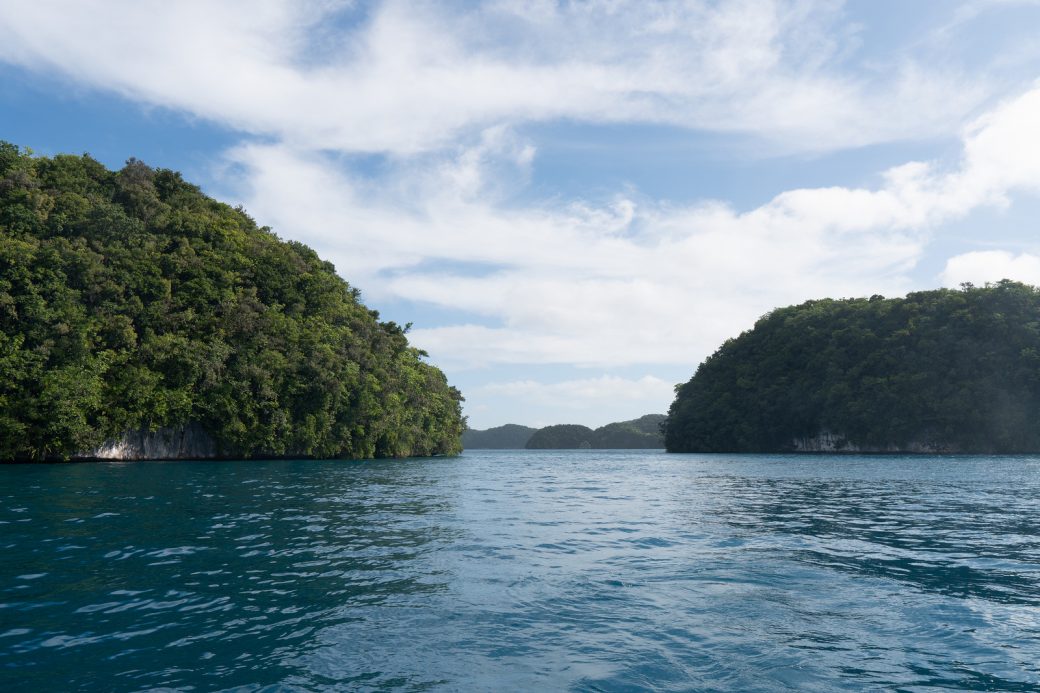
<point>408,77</point>
<point>580,393</point>
<point>630,281</point>
<point>991,266</point>
<point>591,401</point>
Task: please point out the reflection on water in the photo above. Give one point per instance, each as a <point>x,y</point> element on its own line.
<point>583,570</point>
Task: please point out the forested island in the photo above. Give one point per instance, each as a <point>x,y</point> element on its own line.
<point>937,371</point>
<point>641,433</point>
<point>507,437</point>
<point>140,317</point>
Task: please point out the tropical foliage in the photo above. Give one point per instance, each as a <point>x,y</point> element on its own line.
<point>507,437</point>
<point>131,300</point>
<point>958,369</point>
<point>643,432</point>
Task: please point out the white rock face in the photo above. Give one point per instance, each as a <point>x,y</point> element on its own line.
<point>189,442</point>
<point>827,441</point>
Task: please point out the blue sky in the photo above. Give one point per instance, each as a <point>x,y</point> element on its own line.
<point>574,203</point>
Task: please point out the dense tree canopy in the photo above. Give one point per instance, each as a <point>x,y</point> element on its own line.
<point>957,370</point>
<point>507,437</point>
<point>643,432</point>
<point>130,300</point>
<point>561,437</point>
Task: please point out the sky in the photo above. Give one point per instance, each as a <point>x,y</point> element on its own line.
<point>574,203</point>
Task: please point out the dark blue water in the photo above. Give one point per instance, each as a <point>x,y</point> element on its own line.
<point>584,570</point>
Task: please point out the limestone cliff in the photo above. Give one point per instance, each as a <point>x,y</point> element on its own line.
<point>189,442</point>
<point>827,441</point>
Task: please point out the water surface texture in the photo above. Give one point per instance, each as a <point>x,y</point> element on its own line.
<point>526,570</point>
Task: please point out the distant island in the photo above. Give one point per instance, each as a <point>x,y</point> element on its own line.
<point>944,371</point>
<point>140,318</point>
<point>507,437</point>
<point>641,433</point>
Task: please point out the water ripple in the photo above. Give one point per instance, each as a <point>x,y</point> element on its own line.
<point>540,570</point>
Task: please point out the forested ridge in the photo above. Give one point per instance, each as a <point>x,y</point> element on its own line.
<point>644,432</point>
<point>507,437</point>
<point>130,300</point>
<point>945,370</point>
<point>641,433</point>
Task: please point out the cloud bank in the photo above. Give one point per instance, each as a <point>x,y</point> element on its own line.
<point>408,77</point>
<point>629,281</point>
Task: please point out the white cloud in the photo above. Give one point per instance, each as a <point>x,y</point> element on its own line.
<point>592,401</point>
<point>629,281</point>
<point>407,78</point>
<point>991,266</point>
<point>575,283</point>
<point>581,393</point>
<point>1002,152</point>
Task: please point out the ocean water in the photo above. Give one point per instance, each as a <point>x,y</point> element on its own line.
<point>524,570</point>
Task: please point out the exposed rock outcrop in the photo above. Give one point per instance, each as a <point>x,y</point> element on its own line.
<point>827,441</point>
<point>189,442</point>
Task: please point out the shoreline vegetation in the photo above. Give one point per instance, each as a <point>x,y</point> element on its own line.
<point>137,313</point>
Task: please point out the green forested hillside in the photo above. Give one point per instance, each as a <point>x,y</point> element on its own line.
<point>507,437</point>
<point>561,437</point>
<point>130,300</point>
<point>954,370</point>
<point>643,432</point>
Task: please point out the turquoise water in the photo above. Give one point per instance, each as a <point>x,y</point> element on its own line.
<point>527,570</point>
